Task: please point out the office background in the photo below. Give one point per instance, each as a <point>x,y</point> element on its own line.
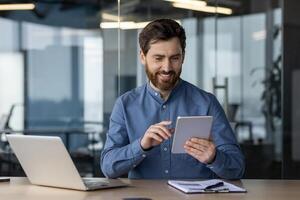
<point>64,63</point>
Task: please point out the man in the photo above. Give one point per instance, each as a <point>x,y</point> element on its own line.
<point>142,122</point>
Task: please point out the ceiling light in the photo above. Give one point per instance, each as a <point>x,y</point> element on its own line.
<point>23,6</point>
<point>123,25</point>
<point>209,9</point>
<point>110,17</point>
<point>190,2</point>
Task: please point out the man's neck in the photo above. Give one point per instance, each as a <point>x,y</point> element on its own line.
<point>163,93</point>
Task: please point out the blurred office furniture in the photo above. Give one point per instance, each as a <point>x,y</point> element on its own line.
<point>86,158</point>
<point>88,155</point>
<point>231,115</point>
<point>260,154</point>
<point>231,109</point>
<point>223,87</point>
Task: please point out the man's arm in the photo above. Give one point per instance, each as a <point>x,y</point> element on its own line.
<point>222,155</point>
<point>225,161</point>
<point>119,156</point>
<point>229,161</point>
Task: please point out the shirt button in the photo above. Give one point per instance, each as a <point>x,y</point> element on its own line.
<point>166,171</point>
<point>165,149</point>
<point>134,165</point>
<point>144,155</point>
<point>164,106</point>
<point>156,93</point>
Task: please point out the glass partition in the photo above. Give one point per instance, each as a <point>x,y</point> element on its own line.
<point>249,59</point>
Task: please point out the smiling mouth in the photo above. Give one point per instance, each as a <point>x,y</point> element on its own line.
<point>166,77</point>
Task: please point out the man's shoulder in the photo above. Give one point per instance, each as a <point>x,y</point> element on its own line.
<point>132,95</point>
<point>196,92</point>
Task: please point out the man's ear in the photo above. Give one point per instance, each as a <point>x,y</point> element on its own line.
<point>142,57</point>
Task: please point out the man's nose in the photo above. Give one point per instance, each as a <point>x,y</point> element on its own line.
<point>167,65</point>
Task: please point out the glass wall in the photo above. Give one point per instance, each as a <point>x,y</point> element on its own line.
<point>62,67</point>
<point>52,79</point>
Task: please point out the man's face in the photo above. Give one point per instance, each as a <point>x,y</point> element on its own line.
<point>163,63</point>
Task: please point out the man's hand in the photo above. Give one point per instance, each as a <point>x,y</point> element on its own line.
<point>201,149</point>
<point>156,134</point>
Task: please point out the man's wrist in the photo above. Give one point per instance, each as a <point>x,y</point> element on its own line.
<point>145,149</point>
<point>143,145</point>
<point>212,160</point>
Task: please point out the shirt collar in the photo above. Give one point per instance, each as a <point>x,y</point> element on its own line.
<point>156,95</point>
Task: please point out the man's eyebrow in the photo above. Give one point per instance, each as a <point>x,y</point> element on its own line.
<point>178,54</point>
<point>158,55</point>
<point>161,55</point>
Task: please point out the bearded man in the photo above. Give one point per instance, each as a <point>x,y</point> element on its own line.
<point>142,122</point>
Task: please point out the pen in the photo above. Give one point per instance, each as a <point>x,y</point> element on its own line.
<point>218,184</point>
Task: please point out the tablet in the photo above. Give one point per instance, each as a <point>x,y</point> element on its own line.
<point>188,127</point>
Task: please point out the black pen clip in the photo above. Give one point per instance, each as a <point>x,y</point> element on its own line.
<point>218,184</point>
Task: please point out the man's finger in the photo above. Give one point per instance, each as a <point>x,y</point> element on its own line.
<point>193,152</point>
<point>164,129</point>
<point>201,141</point>
<point>196,146</point>
<point>166,123</point>
<point>155,137</point>
<point>160,132</point>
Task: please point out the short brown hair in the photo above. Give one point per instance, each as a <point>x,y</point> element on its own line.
<point>161,29</point>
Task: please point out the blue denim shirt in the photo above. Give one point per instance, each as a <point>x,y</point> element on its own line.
<point>142,107</point>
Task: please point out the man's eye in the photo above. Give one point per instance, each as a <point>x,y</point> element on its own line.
<point>158,58</point>
<point>175,58</point>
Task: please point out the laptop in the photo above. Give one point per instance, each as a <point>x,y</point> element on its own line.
<point>46,162</point>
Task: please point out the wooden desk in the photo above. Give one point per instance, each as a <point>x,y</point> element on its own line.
<point>19,188</point>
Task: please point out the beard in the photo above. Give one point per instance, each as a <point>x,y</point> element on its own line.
<point>163,84</point>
